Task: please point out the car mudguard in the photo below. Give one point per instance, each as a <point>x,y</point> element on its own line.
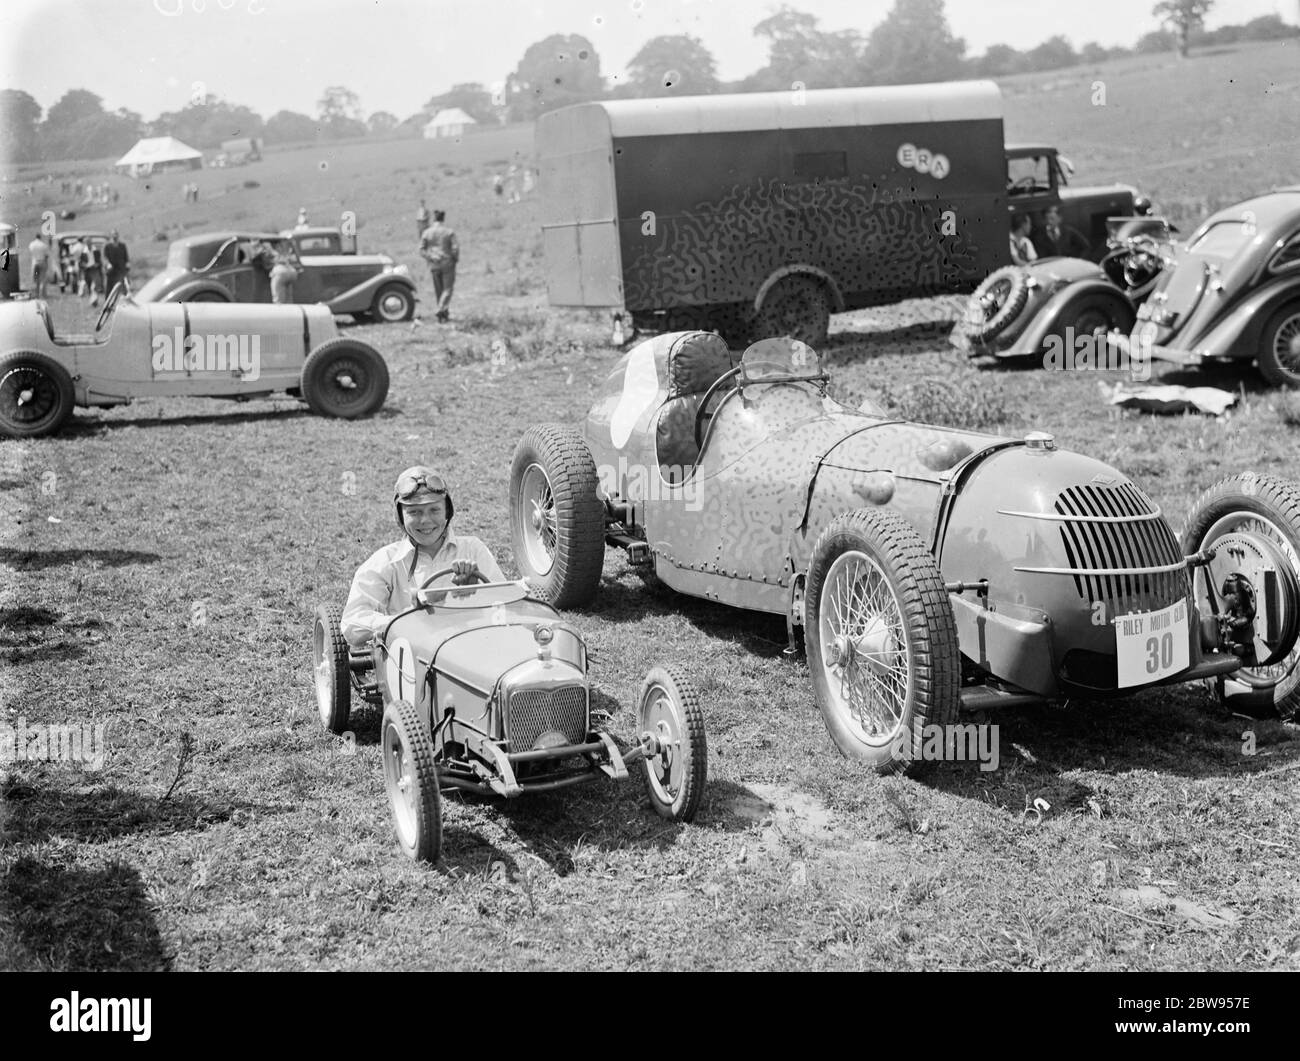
<point>359,299</point>
<point>1235,332</point>
<point>1059,305</point>
<point>186,292</point>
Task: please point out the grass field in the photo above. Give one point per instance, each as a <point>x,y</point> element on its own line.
<point>163,560</point>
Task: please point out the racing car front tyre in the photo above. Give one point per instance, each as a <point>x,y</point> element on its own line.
<point>393,303</point>
<point>1253,522</point>
<point>1279,347</point>
<point>997,302</point>
<point>881,639</point>
<point>411,778</point>
<point>36,395</point>
<point>669,711</point>
<point>331,670</point>
<point>557,522</point>
<point>345,378</point>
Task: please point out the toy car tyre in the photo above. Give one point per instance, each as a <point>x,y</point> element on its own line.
<point>345,378</point>
<point>393,303</point>
<point>997,302</point>
<point>879,625</point>
<point>411,778</point>
<point>796,306</point>
<point>669,710</point>
<point>36,395</point>
<point>331,670</point>
<point>1279,347</point>
<point>1255,517</point>
<point>557,522</point>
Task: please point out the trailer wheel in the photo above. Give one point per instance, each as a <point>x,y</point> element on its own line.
<point>795,306</point>
<point>36,395</point>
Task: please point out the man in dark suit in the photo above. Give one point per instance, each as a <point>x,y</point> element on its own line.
<point>1057,239</point>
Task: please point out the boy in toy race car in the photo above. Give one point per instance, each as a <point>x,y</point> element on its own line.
<point>384,585</point>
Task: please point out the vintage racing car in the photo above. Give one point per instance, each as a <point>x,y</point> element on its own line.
<point>485,688</point>
<point>930,568</point>
<point>169,349</point>
<point>235,267</point>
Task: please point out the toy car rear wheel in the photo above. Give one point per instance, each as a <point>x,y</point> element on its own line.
<point>330,670</point>
<point>1279,347</point>
<point>881,639</point>
<point>997,302</point>
<point>411,778</point>
<point>670,712</point>
<point>345,378</point>
<point>557,522</point>
<point>1253,522</point>
<point>393,303</point>
<point>36,395</point>
<point>795,306</point>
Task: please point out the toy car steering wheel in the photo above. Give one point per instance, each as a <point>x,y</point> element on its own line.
<point>109,303</point>
<point>477,576</point>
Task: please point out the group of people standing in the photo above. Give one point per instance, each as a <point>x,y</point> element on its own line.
<point>440,248</point>
<point>90,269</point>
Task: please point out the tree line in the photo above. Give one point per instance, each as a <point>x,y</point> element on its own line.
<point>913,43</point>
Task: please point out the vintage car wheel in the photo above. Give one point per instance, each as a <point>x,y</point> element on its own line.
<point>36,395</point>
<point>345,378</point>
<point>411,778</point>
<point>670,712</point>
<point>330,669</point>
<point>1253,521</point>
<point>208,296</point>
<point>393,303</point>
<point>1279,347</point>
<point>1096,315</point>
<point>557,523</point>
<point>998,301</point>
<point>881,638</point>
<point>796,306</point>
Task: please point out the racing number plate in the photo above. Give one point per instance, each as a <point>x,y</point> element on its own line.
<point>1151,645</point>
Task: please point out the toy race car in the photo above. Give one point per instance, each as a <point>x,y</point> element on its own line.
<point>929,568</point>
<point>165,349</point>
<point>484,688</point>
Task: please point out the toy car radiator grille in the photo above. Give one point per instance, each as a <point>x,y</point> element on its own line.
<point>1121,550</point>
<point>535,711</point>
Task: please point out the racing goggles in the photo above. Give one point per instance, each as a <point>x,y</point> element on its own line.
<point>420,488</point>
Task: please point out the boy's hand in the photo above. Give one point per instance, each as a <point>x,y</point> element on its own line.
<point>464,571</point>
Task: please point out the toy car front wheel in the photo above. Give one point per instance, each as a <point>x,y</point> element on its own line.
<point>1253,524</point>
<point>345,378</point>
<point>670,713</point>
<point>330,670</point>
<point>36,395</point>
<point>997,302</point>
<point>881,638</point>
<point>557,523</point>
<point>393,303</point>
<point>1279,347</point>
<point>411,778</point>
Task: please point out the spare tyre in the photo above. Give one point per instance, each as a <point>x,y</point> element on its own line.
<point>996,303</point>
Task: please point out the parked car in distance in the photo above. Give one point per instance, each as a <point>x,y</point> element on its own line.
<point>320,239</point>
<point>165,349</point>
<point>235,267</point>
<point>1232,291</point>
<point>929,568</point>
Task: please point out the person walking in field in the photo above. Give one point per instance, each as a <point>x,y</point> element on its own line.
<point>421,220</point>
<point>40,255</point>
<point>440,248</point>
<point>117,262</point>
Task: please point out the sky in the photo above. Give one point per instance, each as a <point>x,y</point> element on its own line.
<point>152,56</point>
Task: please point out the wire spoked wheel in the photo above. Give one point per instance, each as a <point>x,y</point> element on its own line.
<point>537,501</point>
<point>1279,352</point>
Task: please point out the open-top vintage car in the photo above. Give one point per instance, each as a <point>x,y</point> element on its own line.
<point>1018,309</point>
<point>1232,292</point>
<point>167,349</point>
<point>236,267</point>
<point>484,688</point>
<point>930,568</point>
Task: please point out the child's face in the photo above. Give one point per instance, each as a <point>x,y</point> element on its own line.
<point>425,523</point>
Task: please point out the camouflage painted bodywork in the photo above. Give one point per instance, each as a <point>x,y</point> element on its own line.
<point>781,461</point>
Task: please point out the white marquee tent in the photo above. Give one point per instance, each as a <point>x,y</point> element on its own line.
<point>157,153</point>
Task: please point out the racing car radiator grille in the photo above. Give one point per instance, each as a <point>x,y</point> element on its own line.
<point>1115,531</point>
<point>535,711</point>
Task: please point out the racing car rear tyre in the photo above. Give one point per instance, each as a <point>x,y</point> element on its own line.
<point>669,710</point>
<point>557,522</point>
<point>36,395</point>
<point>411,778</point>
<point>345,378</point>
<point>1266,507</point>
<point>1279,347</point>
<point>331,670</point>
<point>796,306</point>
<point>880,634</point>
<point>998,301</point>
<point>393,303</point>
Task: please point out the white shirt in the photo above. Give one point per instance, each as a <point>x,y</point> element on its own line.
<point>382,586</point>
